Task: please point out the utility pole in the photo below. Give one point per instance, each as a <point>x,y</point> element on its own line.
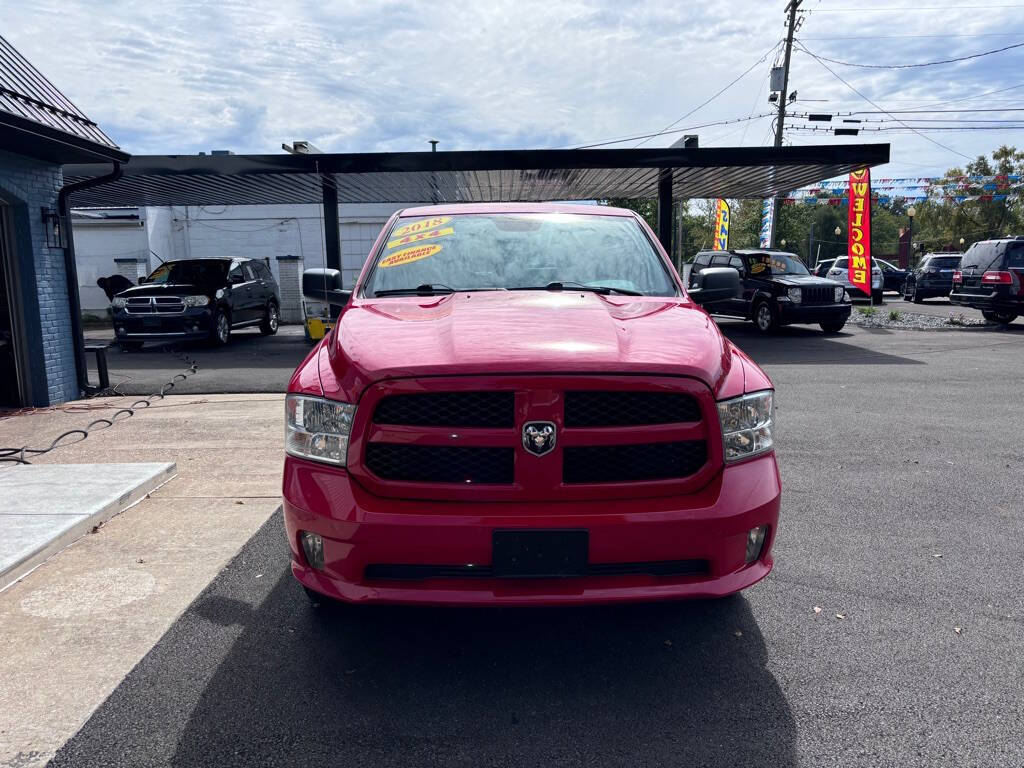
<point>783,97</point>
<point>791,28</point>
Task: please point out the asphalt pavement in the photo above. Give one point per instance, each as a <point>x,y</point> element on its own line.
<point>902,470</point>
<point>249,363</point>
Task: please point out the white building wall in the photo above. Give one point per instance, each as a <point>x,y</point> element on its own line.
<point>98,244</point>
<point>251,231</point>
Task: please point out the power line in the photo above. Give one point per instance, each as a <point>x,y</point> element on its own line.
<point>848,113</point>
<point>910,128</point>
<point>674,130</point>
<point>962,98</point>
<point>899,37</point>
<point>915,8</point>
<point>876,106</point>
<point>757,97</point>
<point>914,66</point>
<point>764,56</point>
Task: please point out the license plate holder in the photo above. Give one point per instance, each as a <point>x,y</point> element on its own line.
<point>544,553</point>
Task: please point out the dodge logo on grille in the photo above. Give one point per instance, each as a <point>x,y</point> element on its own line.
<point>539,437</point>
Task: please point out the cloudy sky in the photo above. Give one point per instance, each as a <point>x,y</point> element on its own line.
<point>171,77</point>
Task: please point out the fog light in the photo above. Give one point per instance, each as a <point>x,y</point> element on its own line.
<point>755,540</point>
<point>313,548</point>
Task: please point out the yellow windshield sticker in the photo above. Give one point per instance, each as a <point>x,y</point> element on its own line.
<point>416,237</point>
<point>757,267</point>
<point>409,255</point>
<point>422,225</point>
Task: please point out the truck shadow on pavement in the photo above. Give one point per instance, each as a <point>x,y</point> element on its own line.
<point>805,345</point>
<point>280,683</point>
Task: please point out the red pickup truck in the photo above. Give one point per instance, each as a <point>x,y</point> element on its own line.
<point>520,404</point>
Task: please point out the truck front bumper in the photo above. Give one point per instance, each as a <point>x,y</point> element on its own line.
<point>813,313</point>
<point>193,323</point>
<point>396,551</point>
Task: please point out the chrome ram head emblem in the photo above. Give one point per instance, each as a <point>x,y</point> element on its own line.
<point>539,437</point>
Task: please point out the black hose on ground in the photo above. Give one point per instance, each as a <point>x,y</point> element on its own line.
<point>20,455</point>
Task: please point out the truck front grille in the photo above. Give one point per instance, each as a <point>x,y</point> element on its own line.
<point>448,409</point>
<point>154,305</point>
<point>443,438</point>
<point>440,463</point>
<point>818,294</point>
<point>632,463</point>
<point>603,408</point>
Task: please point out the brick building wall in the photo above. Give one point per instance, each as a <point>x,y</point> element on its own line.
<point>28,185</point>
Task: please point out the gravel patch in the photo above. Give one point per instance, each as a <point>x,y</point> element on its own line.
<point>913,321</point>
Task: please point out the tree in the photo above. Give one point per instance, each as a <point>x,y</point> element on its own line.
<point>939,223</point>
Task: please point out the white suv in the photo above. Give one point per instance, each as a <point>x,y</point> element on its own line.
<point>840,272</point>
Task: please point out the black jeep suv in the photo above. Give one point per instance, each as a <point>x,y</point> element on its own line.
<point>991,278</point>
<point>776,289</point>
<point>197,299</point>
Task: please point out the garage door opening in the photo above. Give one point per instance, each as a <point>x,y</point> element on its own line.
<point>10,386</point>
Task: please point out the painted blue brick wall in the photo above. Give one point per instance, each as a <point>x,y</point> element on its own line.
<point>35,184</point>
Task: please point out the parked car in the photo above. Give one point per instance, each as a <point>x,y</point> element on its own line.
<point>822,267</point>
<point>520,404</point>
<point>776,290</point>
<point>893,278</point>
<point>991,278</point>
<point>932,277</point>
<point>197,299</point>
<point>839,271</point>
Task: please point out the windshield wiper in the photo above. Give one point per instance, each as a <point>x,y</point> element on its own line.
<point>560,285</point>
<point>434,289</point>
<point>426,289</point>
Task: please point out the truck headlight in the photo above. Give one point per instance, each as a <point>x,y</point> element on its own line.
<point>195,301</point>
<point>317,429</point>
<point>746,425</point>
<point>118,302</point>
<point>795,295</point>
<point>840,294</point>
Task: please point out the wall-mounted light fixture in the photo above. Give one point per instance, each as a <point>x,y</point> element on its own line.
<point>53,226</point>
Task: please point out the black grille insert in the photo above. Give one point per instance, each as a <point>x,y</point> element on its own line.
<point>440,463</point>
<point>382,572</point>
<point>601,408</point>
<point>818,294</point>
<point>448,409</point>
<point>632,463</point>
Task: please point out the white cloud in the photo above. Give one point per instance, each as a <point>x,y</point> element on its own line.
<point>372,76</point>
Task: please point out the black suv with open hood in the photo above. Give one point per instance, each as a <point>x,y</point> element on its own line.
<point>991,278</point>
<point>197,299</point>
<point>776,290</point>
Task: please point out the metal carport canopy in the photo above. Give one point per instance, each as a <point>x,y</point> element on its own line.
<point>471,176</point>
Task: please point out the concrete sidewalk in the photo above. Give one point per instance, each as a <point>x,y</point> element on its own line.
<point>46,507</point>
<point>77,624</point>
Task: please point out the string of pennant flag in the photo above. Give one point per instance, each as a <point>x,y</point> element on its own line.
<point>958,189</point>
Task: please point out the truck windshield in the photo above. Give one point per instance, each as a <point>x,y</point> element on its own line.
<point>191,272</point>
<point>468,252</point>
<point>765,264</point>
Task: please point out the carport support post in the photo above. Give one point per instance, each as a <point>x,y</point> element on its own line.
<point>332,230</point>
<point>665,209</point>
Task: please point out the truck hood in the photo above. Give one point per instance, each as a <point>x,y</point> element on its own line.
<point>164,289</point>
<point>801,280</point>
<point>503,332</point>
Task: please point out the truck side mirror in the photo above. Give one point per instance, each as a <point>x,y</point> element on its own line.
<point>324,285</point>
<point>715,284</point>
